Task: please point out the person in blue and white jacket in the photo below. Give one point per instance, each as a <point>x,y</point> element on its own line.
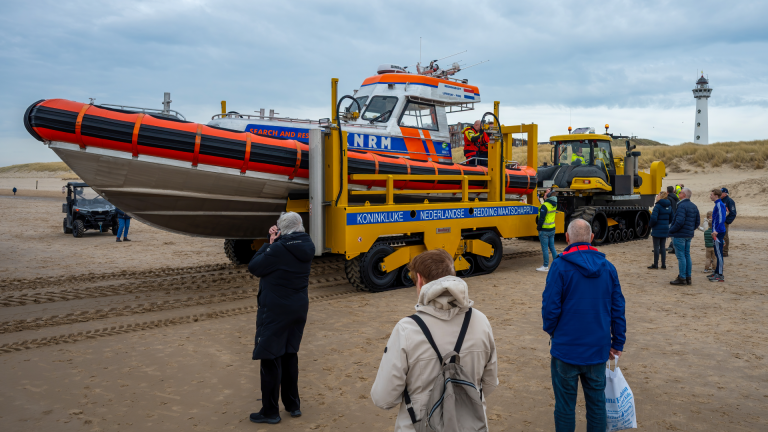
<point>718,234</point>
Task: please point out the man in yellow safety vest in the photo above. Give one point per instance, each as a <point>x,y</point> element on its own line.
<point>578,156</point>
<point>545,224</point>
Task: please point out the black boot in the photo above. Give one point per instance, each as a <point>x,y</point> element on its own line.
<point>653,266</point>
<point>679,281</point>
<point>687,281</point>
<point>663,267</point>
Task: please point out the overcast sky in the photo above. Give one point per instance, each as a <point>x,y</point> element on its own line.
<point>630,64</point>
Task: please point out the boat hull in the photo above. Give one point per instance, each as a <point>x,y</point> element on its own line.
<point>205,202</point>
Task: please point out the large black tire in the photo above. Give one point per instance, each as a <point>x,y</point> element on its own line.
<point>67,230</point>
<point>352,270</point>
<point>642,219</point>
<point>239,251</point>
<point>371,274</point>
<point>490,264</point>
<point>470,258</point>
<point>597,220</point>
<point>78,228</point>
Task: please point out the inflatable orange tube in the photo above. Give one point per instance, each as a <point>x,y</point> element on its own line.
<point>142,134</point>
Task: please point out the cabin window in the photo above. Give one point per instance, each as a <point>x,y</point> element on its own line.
<point>353,106</point>
<point>380,108</point>
<point>420,116</point>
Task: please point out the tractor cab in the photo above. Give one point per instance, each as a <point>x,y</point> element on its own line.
<point>580,161</point>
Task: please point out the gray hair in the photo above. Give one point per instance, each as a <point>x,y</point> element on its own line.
<point>289,223</point>
<point>579,231</point>
<point>687,192</point>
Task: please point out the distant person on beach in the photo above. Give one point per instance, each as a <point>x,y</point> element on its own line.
<point>582,309</point>
<point>410,363</point>
<point>661,217</point>
<point>545,224</point>
<point>14,191</point>
<point>730,207</point>
<point>123,223</point>
<point>684,224</point>
<point>718,234</point>
<point>283,265</point>
<point>673,199</point>
<point>710,262</point>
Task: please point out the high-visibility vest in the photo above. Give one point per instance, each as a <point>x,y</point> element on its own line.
<point>549,221</point>
<point>678,188</point>
<point>471,148</point>
<point>576,157</point>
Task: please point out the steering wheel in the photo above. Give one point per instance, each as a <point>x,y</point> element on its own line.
<point>380,116</point>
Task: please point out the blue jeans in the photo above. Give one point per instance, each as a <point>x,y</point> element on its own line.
<point>123,224</point>
<point>683,254</point>
<point>547,239</point>
<point>565,383</point>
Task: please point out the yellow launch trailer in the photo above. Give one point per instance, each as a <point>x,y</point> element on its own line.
<point>379,240</point>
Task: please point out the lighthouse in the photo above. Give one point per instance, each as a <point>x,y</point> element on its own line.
<point>701,93</point>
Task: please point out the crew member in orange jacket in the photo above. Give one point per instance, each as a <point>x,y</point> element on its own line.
<point>476,144</point>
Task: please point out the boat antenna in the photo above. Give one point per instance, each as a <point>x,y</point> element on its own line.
<point>484,61</point>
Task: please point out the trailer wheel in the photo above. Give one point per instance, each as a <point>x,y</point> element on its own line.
<point>611,236</point>
<point>641,224</point>
<point>239,251</point>
<point>470,259</point>
<point>492,262</point>
<point>404,277</point>
<point>371,273</point>
<point>67,230</point>
<point>78,228</point>
<point>352,270</point>
<point>624,234</point>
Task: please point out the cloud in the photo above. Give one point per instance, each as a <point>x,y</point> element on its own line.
<point>621,57</point>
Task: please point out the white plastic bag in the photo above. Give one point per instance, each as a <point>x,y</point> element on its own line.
<point>619,400</point>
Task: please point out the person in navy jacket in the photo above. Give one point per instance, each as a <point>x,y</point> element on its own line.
<point>684,223</point>
<point>583,312</point>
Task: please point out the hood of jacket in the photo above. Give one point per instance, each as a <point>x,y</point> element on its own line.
<point>664,203</point>
<point>588,260</point>
<point>299,245</point>
<point>444,298</point>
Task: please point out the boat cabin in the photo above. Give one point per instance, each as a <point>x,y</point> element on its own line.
<point>396,113</point>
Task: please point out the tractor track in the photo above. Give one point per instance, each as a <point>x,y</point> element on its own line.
<point>212,285</point>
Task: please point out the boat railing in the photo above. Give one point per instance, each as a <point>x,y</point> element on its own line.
<point>152,111</point>
<point>322,122</point>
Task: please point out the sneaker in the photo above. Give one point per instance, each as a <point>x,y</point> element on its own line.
<point>687,281</point>
<point>126,239</point>
<point>711,275</point>
<point>543,269</point>
<point>296,413</point>
<point>717,279</point>
<point>653,267</point>
<point>707,271</point>
<point>118,240</point>
<point>259,418</point>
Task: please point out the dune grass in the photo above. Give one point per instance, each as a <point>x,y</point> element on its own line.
<point>680,158</point>
<point>47,167</point>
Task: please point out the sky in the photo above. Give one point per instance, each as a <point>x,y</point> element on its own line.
<point>556,63</point>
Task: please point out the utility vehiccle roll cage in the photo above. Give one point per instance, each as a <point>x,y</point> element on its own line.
<point>598,153</point>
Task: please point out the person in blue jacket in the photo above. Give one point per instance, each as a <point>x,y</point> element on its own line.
<point>661,217</point>
<point>583,312</point>
<point>718,233</point>
<point>730,206</point>
<point>684,224</point>
<point>283,265</point>
<point>123,223</point>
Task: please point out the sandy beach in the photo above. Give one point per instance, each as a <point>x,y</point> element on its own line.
<point>157,334</point>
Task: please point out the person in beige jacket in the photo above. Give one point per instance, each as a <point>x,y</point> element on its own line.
<point>410,362</point>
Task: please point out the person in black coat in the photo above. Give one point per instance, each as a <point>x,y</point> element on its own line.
<point>661,218</point>
<point>673,199</point>
<point>283,266</point>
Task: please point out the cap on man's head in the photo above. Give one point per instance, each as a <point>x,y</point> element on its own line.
<point>724,190</point>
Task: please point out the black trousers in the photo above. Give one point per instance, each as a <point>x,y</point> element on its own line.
<point>281,372</point>
<point>658,249</point>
